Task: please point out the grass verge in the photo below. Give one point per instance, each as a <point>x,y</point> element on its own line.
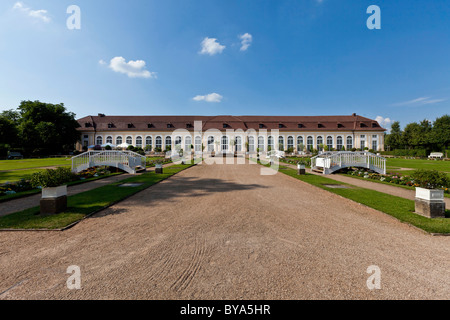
<point>36,191</point>
<point>386,183</point>
<point>84,204</point>
<point>400,208</point>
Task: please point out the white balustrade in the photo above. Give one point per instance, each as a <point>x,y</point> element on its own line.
<point>125,160</point>
<point>330,162</point>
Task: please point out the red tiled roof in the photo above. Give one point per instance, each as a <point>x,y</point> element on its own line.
<point>288,123</point>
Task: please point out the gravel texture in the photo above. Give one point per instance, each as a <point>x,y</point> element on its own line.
<point>226,232</point>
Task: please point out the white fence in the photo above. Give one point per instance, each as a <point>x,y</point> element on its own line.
<point>124,160</point>
<point>330,162</point>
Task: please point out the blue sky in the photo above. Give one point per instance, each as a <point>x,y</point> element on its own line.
<point>304,57</point>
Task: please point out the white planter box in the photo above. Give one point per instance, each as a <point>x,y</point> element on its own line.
<point>435,195</point>
<point>52,193</point>
<point>320,162</point>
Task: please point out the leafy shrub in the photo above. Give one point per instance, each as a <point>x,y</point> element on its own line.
<point>430,179</point>
<point>52,178</point>
<point>148,148</point>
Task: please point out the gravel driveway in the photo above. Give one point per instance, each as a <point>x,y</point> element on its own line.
<point>225,232</point>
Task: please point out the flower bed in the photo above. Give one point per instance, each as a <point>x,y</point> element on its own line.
<point>394,178</point>
<point>26,185</point>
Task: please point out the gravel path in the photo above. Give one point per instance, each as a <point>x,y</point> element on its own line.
<point>226,232</point>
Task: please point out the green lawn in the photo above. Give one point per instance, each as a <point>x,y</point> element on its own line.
<point>14,170</point>
<point>83,204</point>
<point>393,163</point>
<point>34,163</point>
<point>12,176</point>
<point>400,208</point>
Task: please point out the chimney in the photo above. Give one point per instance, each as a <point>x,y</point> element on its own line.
<point>354,114</point>
<point>101,115</point>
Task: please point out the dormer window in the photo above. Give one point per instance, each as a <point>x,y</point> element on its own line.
<point>340,125</point>
<point>170,126</point>
<point>110,125</point>
<point>375,125</point>
<point>280,126</point>
<point>150,125</point>
<point>226,125</point>
<point>320,126</point>
<point>189,125</point>
<point>87,125</point>
<point>300,126</point>
<point>130,126</point>
<point>363,125</point>
<point>261,126</point>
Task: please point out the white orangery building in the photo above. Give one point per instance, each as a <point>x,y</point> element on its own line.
<point>233,133</point>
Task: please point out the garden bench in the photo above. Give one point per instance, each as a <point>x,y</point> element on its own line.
<point>436,155</point>
<point>14,155</point>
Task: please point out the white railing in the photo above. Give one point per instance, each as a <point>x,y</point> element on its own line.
<point>125,160</point>
<point>330,162</point>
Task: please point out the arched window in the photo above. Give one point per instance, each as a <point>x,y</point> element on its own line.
<point>251,144</point>
<point>119,141</point>
<point>280,143</point>
<point>129,140</point>
<point>225,143</point>
<point>168,143</point>
<point>198,144</point>
<point>290,143</point>
<point>109,140</point>
<point>178,141</point>
<point>99,141</point>
<point>339,143</point>
<point>270,144</point>
<point>319,142</point>
<point>139,142</point>
<point>310,143</point>
<point>300,144</point>
<point>261,144</point>
<point>210,144</point>
<point>149,141</point>
<point>188,143</point>
<point>349,143</point>
<point>238,144</point>
<point>158,143</point>
<point>330,142</point>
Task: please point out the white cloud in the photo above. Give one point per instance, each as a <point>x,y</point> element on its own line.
<point>384,122</point>
<point>212,97</point>
<point>133,69</point>
<point>37,14</point>
<point>102,62</point>
<point>246,41</point>
<point>419,101</point>
<point>211,46</point>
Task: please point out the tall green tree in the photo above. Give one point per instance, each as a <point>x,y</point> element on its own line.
<point>46,128</point>
<point>394,139</point>
<point>440,134</point>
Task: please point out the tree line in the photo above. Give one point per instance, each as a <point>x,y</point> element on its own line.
<point>36,129</point>
<point>424,135</point>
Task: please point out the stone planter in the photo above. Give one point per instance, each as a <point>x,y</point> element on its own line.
<point>301,169</point>
<point>430,203</point>
<point>54,200</point>
<point>159,168</point>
